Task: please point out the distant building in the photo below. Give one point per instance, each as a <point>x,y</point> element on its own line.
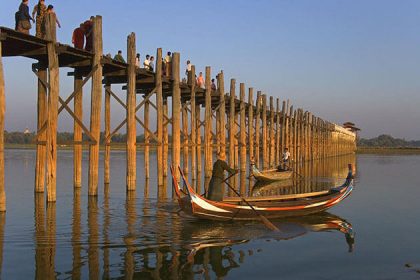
<point>27,131</point>
<point>351,127</point>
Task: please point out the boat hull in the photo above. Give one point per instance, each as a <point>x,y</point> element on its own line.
<point>270,175</point>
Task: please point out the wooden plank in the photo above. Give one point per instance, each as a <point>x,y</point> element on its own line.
<point>2,113</point>
<point>146,141</point>
<point>160,112</point>
<point>198,148</point>
<point>193,127</point>
<point>185,139</point>
<point>251,123</point>
<point>131,113</point>
<point>176,108</point>
<point>277,146</point>
<point>277,197</point>
<point>107,155</point>
<point>271,134</point>
<point>53,97</point>
<point>222,112</point>
<point>77,149</point>
<point>242,137</point>
<point>95,111</point>
<point>257,129</point>
<point>208,127</point>
<point>232,129</point>
<point>41,150</point>
<point>265,163</point>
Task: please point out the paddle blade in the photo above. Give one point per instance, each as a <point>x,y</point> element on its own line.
<point>268,224</point>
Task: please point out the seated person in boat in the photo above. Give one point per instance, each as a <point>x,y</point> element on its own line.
<point>284,166</point>
<point>216,185</point>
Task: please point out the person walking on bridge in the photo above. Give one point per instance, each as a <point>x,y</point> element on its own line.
<point>78,38</point>
<point>23,18</point>
<point>40,10</point>
<point>216,188</point>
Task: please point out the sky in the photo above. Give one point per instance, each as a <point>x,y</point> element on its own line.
<point>355,60</point>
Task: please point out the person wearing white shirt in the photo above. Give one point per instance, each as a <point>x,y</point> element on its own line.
<point>146,63</point>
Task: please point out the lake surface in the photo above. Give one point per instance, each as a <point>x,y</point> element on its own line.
<point>373,234</point>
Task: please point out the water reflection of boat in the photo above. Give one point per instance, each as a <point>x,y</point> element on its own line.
<point>218,238</point>
<point>281,206</point>
<point>269,175</point>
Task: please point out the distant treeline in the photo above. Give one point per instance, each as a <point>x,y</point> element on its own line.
<point>62,138</point>
<point>387,141</point>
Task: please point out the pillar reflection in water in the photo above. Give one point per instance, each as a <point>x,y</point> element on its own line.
<point>93,237</point>
<point>2,223</point>
<point>106,225</point>
<point>130,237</point>
<point>76,234</point>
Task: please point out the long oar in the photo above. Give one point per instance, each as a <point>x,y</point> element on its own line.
<point>265,221</point>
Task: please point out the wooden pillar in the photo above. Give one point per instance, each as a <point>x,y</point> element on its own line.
<point>232,127</point>
<point>257,129</point>
<point>208,127</point>
<point>283,129</point>
<point>185,139</point>
<point>107,155</point>
<point>160,112</point>
<point>2,112</point>
<point>242,133</point>
<point>146,140</point>
<point>264,133</point>
<point>165,139</point>
<point>251,122</point>
<point>222,112</point>
<point>198,146</point>
<point>295,136</point>
<point>193,127</point>
<point>41,148</point>
<point>277,150</point>
<point>78,147</point>
<point>271,134</point>
<point>95,109</point>
<point>53,96</point>
<point>176,108</point>
<point>131,113</point>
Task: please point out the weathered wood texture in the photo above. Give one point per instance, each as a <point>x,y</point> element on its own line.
<point>160,112</point>
<point>41,148</point>
<point>176,110</point>
<point>95,108</point>
<point>77,137</point>
<point>53,96</point>
<point>107,154</point>
<point>208,127</point>
<point>131,113</point>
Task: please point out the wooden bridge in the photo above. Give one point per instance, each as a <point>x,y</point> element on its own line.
<point>259,128</point>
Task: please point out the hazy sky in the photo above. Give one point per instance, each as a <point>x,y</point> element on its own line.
<point>354,60</point>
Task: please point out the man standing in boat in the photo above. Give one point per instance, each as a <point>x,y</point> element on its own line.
<point>216,185</point>
<point>285,160</point>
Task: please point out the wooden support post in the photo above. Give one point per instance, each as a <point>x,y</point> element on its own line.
<point>295,136</point>
<point>2,112</point>
<point>242,135</point>
<point>232,128</point>
<point>78,148</point>
<point>264,133</point>
<point>222,112</point>
<point>107,156</point>
<point>146,140</point>
<point>95,109</point>
<point>198,146</point>
<point>283,128</point>
<point>159,123</point>
<point>208,127</point>
<point>193,127</point>
<point>41,149</point>
<point>53,96</point>
<point>251,122</point>
<point>185,139</point>
<point>165,139</point>
<point>257,129</point>
<point>271,134</point>
<point>131,113</point>
<point>176,108</point>
<point>277,150</point>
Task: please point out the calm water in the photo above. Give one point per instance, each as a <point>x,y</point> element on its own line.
<point>371,235</point>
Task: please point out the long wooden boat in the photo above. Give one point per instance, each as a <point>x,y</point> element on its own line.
<point>232,208</point>
<point>269,175</point>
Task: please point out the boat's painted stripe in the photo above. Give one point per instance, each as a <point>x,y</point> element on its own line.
<point>205,205</point>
